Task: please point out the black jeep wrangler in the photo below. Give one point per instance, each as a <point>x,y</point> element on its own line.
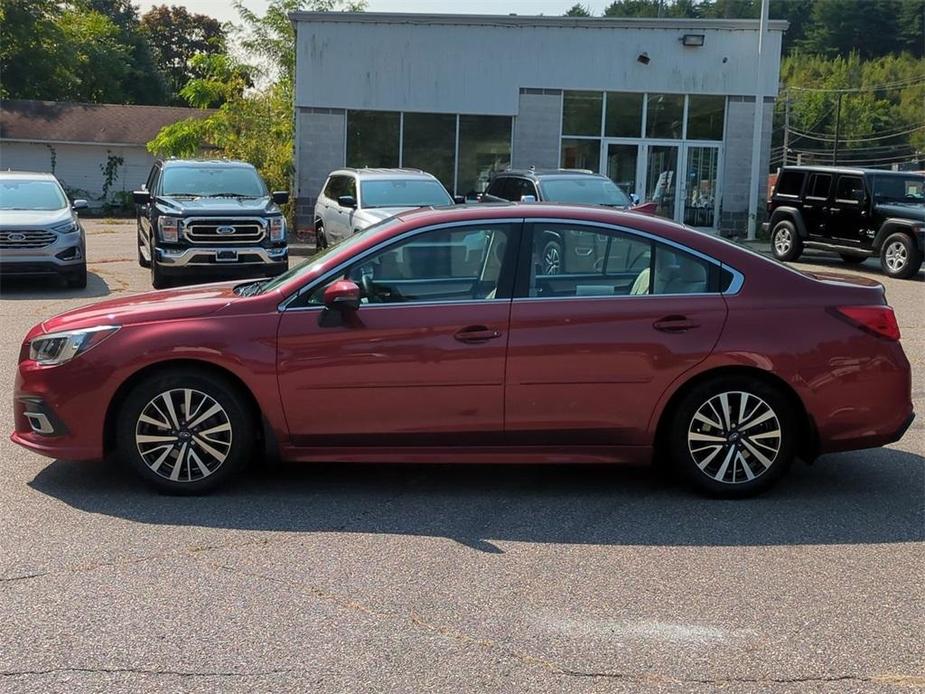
<point>208,219</point>
<point>857,213</point>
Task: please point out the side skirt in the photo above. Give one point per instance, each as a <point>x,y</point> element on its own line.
<point>470,454</point>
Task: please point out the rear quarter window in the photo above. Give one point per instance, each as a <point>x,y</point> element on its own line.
<point>790,183</point>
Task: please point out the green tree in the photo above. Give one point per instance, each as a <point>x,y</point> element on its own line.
<point>97,60</point>
<point>175,36</point>
<point>578,10</point>
<point>31,61</point>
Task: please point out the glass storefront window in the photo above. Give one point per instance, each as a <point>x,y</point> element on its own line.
<point>429,144</point>
<point>624,115</point>
<point>664,116</point>
<point>581,113</point>
<point>705,116</point>
<point>581,154</point>
<point>372,138</point>
<point>484,147</point>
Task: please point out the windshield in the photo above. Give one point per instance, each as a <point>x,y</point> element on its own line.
<point>405,192</point>
<point>212,181</point>
<point>309,265</point>
<point>908,189</point>
<point>23,194</point>
<point>590,190</point>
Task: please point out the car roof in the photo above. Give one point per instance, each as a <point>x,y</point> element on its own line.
<point>209,163</point>
<point>385,173</point>
<point>27,175</point>
<point>536,174</point>
<point>848,170</point>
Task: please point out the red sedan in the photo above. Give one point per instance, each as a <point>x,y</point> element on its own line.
<point>439,336</point>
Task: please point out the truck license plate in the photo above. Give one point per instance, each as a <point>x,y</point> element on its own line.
<point>226,256</point>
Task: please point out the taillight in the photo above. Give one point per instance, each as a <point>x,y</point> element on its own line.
<point>877,320</point>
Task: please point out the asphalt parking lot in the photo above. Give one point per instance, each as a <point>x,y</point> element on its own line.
<point>341,578</point>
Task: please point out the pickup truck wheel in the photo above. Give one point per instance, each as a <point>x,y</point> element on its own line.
<point>852,259</point>
<point>786,243</point>
<point>158,277</point>
<point>184,432</point>
<point>899,257</point>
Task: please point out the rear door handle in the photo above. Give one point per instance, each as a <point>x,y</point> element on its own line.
<point>477,333</point>
<point>675,324</point>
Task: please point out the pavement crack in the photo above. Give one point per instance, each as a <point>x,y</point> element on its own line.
<point>144,671</point>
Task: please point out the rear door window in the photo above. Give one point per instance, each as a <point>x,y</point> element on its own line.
<point>790,183</point>
<point>850,189</point>
<point>819,185</point>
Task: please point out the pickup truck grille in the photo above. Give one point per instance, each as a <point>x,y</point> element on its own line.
<point>28,238</point>
<point>224,231</point>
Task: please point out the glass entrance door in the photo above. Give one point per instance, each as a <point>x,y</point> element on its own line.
<point>700,195</point>
<point>662,179</point>
<point>621,166</point>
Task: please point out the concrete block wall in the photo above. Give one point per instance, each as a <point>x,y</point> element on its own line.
<point>320,148</point>
<point>737,160</point>
<point>537,129</point>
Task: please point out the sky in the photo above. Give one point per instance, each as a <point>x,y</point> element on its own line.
<point>223,11</point>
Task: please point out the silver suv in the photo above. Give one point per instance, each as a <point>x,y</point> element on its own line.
<point>40,233</point>
<point>353,199</point>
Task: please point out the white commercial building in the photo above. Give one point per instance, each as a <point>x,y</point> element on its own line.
<point>664,107</point>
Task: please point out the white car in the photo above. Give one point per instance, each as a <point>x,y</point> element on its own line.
<point>353,199</point>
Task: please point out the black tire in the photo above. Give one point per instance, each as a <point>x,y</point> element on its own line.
<point>786,243</point>
<point>235,411</point>
<point>899,257</point>
<point>159,278</point>
<point>77,279</point>
<point>852,259</point>
<point>321,241</point>
<point>551,260</point>
<point>141,258</point>
<point>717,468</point>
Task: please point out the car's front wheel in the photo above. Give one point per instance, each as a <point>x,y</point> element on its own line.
<point>899,257</point>
<point>77,279</point>
<point>733,436</point>
<point>184,432</point>
<point>551,261</point>
<point>786,243</point>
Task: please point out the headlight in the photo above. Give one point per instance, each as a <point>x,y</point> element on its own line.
<point>169,228</point>
<point>277,229</point>
<point>59,348</point>
<point>68,227</point>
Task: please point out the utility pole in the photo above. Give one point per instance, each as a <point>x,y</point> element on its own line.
<point>837,129</point>
<point>753,183</point>
<point>786,126</point>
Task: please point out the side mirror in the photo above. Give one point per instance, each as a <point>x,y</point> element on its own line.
<point>634,198</point>
<point>459,199</point>
<point>528,198</point>
<point>79,204</point>
<point>280,197</point>
<point>141,197</point>
<point>342,295</point>
<point>347,201</point>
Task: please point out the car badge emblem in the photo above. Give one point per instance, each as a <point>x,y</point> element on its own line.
<point>224,230</point>
<point>16,237</point>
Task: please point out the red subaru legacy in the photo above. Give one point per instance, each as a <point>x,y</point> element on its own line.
<point>446,335</point>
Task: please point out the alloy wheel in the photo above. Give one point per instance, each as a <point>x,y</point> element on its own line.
<point>552,259</point>
<point>896,256</point>
<point>734,437</point>
<point>183,435</point>
<point>783,241</point>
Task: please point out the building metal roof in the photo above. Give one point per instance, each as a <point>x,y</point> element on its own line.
<point>110,124</point>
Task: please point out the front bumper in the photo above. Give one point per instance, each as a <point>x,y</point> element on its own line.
<point>225,257</point>
<point>57,259</point>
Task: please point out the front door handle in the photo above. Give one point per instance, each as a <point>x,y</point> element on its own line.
<point>477,333</point>
<point>675,324</point>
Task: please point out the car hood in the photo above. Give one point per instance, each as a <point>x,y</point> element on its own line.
<point>19,219</point>
<point>902,210</point>
<point>187,302</point>
<point>371,215</point>
<point>217,206</point>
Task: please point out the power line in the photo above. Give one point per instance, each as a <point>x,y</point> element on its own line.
<point>824,137</point>
<point>901,84</point>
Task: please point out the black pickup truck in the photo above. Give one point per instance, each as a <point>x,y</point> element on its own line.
<point>857,213</point>
<point>209,219</point>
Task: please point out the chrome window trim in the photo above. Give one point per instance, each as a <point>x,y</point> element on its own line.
<point>738,279</point>
<point>284,305</point>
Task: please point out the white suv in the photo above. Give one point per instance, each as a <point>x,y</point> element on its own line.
<point>353,199</point>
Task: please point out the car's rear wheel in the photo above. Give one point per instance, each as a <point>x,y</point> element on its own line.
<point>551,260</point>
<point>786,243</point>
<point>184,432</point>
<point>899,257</point>
<point>852,259</point>
<point>321,241</point>
<point>733,436</point>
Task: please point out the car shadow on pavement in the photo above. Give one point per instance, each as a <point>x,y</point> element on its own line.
<point>31,288</point>
<point>869,268</point>
<point>875,496</point>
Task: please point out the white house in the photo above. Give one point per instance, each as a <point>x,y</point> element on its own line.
<point>97,151</point>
